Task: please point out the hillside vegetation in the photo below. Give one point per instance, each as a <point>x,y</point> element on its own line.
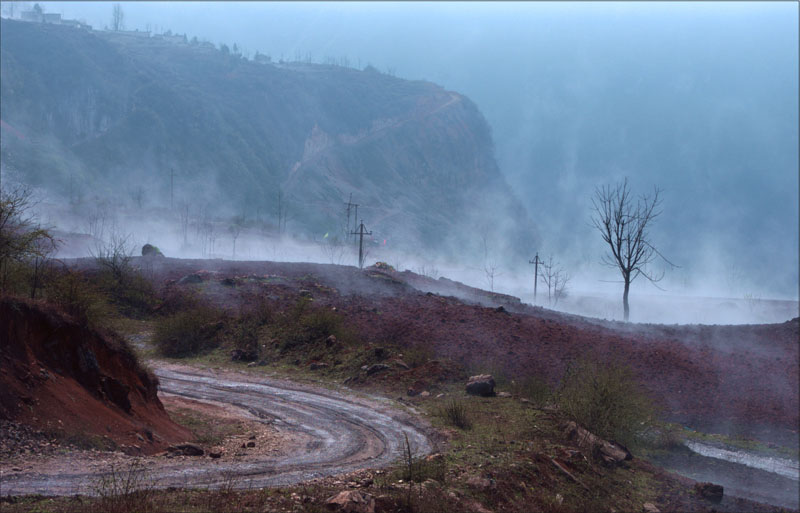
<point>102,114</point>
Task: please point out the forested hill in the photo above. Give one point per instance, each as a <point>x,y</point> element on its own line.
<point>103,113</point>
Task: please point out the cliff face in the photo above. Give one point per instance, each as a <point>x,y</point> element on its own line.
<point>98,111</point>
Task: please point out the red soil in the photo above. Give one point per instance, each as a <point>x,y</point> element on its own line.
<point>741,379</point>
<point>60,377</point>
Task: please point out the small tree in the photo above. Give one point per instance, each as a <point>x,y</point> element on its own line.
<point>623,223</point>
<point>556,279</point>
<point>117,18</point>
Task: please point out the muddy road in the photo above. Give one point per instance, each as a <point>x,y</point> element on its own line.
<point>327,433</point>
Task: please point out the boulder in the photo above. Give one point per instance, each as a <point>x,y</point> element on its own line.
<point>709,491</point>
<point>610,452</point>
<point>150,250</point>
<point>376,368</point>
<point>482,385</point>
<point>351,501</point>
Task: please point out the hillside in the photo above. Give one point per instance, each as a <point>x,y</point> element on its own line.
<point>104,114</point>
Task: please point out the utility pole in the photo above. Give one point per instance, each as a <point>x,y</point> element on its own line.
<point>350,205</point>
<point>361,232</point>
<point>535,263</point>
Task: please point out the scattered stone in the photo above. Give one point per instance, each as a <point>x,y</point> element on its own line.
<point>649,507</point>
<point>318,365</point>
<point>186,449</point>
<point>351,501</point>
<point>500,309</point>
<point>215,455</point>
<point>503,394</point>
<point>252,437</point>
<point>251,444</point>
<point>411,392</point>
<point>482,385</point>
<point>331,341</point>
<point>439,396</point>
<point>305,293</point>
<point>424,393</point>
<point>252,364</point>
<point>376,368</point>
<point>709,491</point>
<point>403,365</point>
<point>228,282</point>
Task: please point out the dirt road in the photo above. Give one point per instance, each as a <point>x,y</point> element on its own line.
<point>328,433</point>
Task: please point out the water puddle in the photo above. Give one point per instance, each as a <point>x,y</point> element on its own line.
<point>781,466</point>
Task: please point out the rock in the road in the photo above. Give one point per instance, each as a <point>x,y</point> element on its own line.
<point>186,449</point>
<point>709,491</point>
<point>351,501</point>
<point>482,385</point>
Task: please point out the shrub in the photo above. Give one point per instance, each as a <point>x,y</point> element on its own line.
<point>189,332</point>
<point>304,325</point>
<point>535,389</point>
<point>606,399</point>
<point>455,414</point>
<point>76,296</point>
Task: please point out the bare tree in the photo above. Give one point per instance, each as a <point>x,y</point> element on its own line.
<point>490,266</point>
<point>115,256</point>
<point>236,229</point>
<point>117,18</point>
<point>22,239</point>
<point>623,223</point>
<point>556,279</point>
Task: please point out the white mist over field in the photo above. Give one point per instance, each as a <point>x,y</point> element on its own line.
<point>699,99</point>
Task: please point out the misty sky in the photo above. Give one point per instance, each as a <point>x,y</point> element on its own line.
<point>700,99</point>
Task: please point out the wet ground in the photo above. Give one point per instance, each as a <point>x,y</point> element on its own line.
<point>767,479</point>
<point>327,433</point>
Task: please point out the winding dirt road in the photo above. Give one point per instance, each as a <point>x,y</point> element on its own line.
<point>331,433</point>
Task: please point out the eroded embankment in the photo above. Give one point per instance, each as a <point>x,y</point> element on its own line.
<point>62,377</point>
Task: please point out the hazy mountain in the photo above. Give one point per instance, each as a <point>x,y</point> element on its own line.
<point>99,113</point>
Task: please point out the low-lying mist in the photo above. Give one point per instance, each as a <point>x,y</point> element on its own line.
<point>685,296</point>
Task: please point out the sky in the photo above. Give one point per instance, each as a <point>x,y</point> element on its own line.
<point>697,98</point>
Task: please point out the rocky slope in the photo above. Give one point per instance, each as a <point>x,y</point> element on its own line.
<point>121,116</point>
<point>73,382</point>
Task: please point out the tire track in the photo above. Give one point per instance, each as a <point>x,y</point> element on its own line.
<point>344,434</point>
